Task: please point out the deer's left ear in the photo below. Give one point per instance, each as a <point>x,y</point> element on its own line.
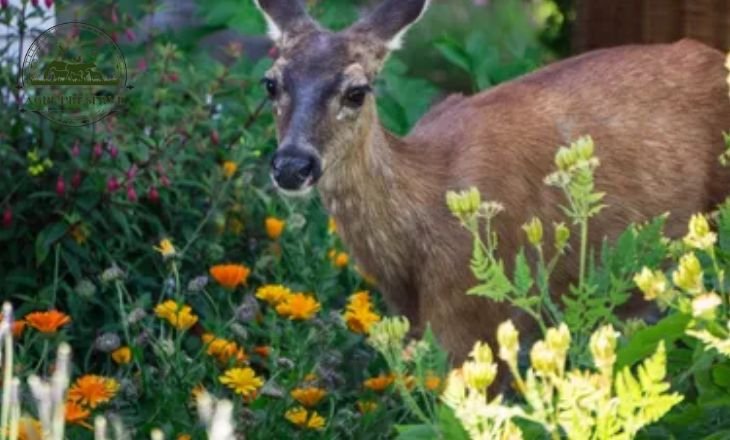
<point>391,19</point>
<point>285,18</point>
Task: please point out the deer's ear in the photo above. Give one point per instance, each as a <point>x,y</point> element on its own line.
<point>391,19</point>
<point>285,18</point>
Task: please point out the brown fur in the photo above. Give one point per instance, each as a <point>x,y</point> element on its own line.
<point>656,113</point>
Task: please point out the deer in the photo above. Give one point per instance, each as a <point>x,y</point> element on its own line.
<point>656,113</point>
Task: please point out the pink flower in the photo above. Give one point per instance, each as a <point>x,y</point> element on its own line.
<point>7,218</point>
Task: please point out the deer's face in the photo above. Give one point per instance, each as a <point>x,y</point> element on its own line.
<point>321,85</point>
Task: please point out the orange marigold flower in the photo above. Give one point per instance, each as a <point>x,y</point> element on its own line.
<point>77,414</point>
<point>180,317</point>
<point>309,396</point>
<point>304,419</point>
<point>379,383</point>
<point>432,382</point>
<point>184,436</point>
<point>359,315</point>
<point>229,168</point>
<point>47,322</point>
<point>122,355</point>
<point>16,328</point>
<point>262,350</point>
<point>242,381</point>
<point>223,349</point>
<point>273,293</point>
<point>341,260</point>
<point>274,227</point>
<point>298,306</point>
<point>366,406</point>
<point>230,276</point>
<point>91,390</point>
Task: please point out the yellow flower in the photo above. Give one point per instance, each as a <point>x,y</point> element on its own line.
<point>359,315</point>
<point>652,284</point>
<point>230,276</point>
<point>304,419</point>
<point>533,230</point>
<point>509,342</point>
<point>166,248</point>
<point>700,236</point>
<point>180,317</point>
<point>688,275</point>
<point>242,381</point>
<point>366,406</point>
<point>47,322</point>
<point>603,348</point>
<point>273,293</point>
<point>229,168</point>
<point>122,355</point>
<point>274,227</point>
<point>91,390</point>
<point>77,414</point>
<point>309,396</point>
<point>704,305</point>
<point>223,349</point>
<point>543,358</point>
<point>379,383</point>
<point>479,375</point>
<point>298,306</point>
<point>341,260</point>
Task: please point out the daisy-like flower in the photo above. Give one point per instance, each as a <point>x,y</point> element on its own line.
<point>274,227</point>
<point>229,168</point>
<point>122,355</point>
<point>47,322</point>
<point>273,293</point>
<point>77,414</point>
<point>379,383</point>
<point>223,349</point>
<point>230,276</point>
<point>242,381</point>
<point>309,396</point>
<point>91,390</point>
<point>180,317</point>
<point>298,306</point>
<point>166,248</point>
<point>304,419</point>
<point>359,314</point>
<point>341,260</point>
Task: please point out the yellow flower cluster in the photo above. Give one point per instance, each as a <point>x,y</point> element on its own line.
<point>180,317</point>
<point>243,381</point>
<point>223,349</point>
<point>305,419</point>
<point>577,404</point>
<point>273,293</point>
<point>359,315</point>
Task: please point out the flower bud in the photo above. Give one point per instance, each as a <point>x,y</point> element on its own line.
<point>113,151</point>
<point>652,284</point>
<point>85,289</point>
<point>112,185</point>
<point>76,150</point>
<point>509,342</point>
<point>558,339</point>
<point>478,375</point>
<point>4,3</point>
<point>76,180</point>
<point>130,34</point>
<point>533,230</point>
<point>107,342</point>
<point>603,348</point>
<point>97,151</point>
<point>131,194</point>
<point>215,138</point>
<point>113,273</point>
<point>60,186</point>
<point>705,305</point>
<point>688,275</point>
<point>562,235</point>
<point>482,353</point>
<point>464,204</point>
<point>7,218</point>
<point>584,148</point>
<point>153,195</point>
<point>49,3</point>
<point>700,236</point>
<point>543,358</point>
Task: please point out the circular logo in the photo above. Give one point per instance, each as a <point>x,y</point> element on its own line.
<point>73,74</point>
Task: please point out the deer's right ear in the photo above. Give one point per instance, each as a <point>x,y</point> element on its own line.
<point>391,19</point>
<point>285,18</point>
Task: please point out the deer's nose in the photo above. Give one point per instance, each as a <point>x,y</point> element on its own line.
<point>293,169</point>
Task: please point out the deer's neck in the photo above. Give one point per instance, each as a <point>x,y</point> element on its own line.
<point>376,197</point>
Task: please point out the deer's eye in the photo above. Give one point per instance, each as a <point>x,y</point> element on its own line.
<point>271,87</point>
<point>355,96</point>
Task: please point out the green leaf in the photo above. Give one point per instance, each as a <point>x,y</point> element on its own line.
<point>644,341</point>
<point>523,280</point>
<point>449,426</point>
<point>46,238</point>
<point>415,432</point>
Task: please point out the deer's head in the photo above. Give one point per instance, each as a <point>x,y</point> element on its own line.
<point>321,84</point>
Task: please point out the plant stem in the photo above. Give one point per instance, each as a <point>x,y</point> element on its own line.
<point>583,249</point>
